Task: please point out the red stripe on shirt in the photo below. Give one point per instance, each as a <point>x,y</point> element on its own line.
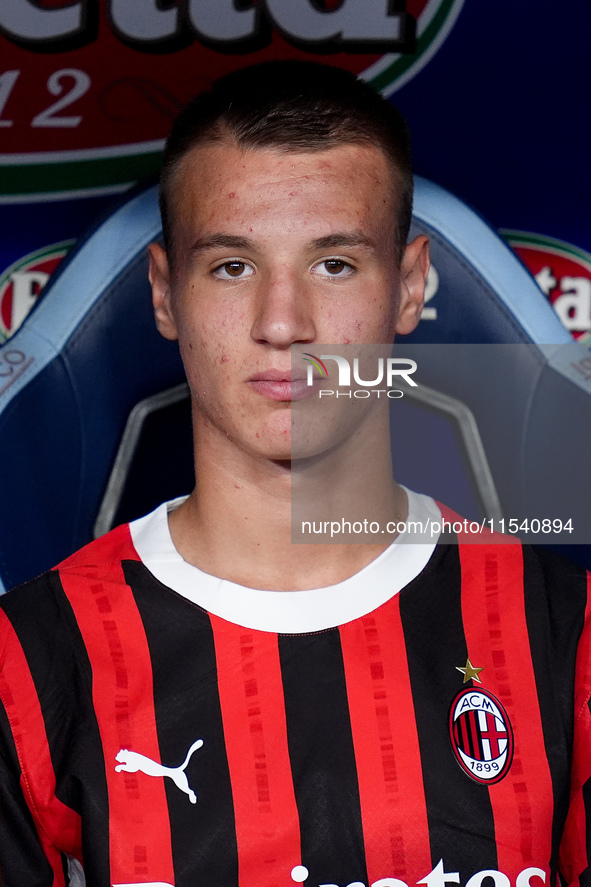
<point>253,714</point>
<point>493,609</point>
<point>583,664</point>
<point>383,725</point>
<point>58,826</point>
<point>573,848</point>
<point>112,629</point>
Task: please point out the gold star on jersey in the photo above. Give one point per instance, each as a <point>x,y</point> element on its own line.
<point>470,672</point>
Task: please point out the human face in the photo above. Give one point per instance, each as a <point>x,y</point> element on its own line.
<point>274,248</point>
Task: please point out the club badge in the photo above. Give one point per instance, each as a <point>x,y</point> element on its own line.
<point>481,735</point>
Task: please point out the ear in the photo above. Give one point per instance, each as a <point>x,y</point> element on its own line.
<point>413,277</point>
<point>159,275</point>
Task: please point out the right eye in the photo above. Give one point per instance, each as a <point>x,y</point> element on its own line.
<point>233,270</point>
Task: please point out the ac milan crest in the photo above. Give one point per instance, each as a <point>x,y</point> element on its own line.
<point>481,735</point>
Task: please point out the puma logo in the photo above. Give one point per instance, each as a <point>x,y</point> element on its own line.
<point>132,761</point>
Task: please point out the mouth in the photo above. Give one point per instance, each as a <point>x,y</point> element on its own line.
<point>281,385</point>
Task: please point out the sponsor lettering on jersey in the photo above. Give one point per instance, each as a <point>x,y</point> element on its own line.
<point>481,735</point>
<point>439,877</point>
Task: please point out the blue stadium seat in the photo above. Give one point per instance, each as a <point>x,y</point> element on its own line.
<point>89,357</point>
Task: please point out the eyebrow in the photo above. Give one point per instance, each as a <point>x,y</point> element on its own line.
<point>343,238</point>
<point>222,241</point>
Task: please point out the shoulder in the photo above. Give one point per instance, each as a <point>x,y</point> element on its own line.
<point>563,584</point>
<point>101,554</point>
<point>531,582</point>
<point>543,574</point>
<point>557,593</point>
<point>38,611</point>
<point>556,605</point>
<point>559,597</point>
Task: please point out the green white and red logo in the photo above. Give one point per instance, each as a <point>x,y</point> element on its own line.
<point>22,283</point>
<point>563,273</point>
<point>88,92</point>
<point>316,364</point>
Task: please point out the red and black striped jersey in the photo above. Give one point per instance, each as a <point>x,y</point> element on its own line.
<point>442,736</point>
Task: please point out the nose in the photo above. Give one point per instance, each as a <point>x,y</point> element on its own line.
<point>283,312</point>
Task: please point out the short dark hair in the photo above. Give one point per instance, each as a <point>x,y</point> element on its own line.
<point>295,106</point>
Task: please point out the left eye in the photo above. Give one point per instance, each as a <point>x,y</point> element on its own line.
<point>233,270</point>
<point>333,268</point>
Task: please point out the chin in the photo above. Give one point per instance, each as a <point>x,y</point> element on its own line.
<point>281,452</point>
<point>264,442</point>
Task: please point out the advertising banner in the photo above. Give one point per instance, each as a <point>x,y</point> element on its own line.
<point>88,91</point>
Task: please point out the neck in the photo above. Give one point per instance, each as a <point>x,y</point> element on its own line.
<point>243,521</point>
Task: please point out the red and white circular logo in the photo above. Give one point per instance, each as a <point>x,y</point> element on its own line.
<point>481,735</point>
<point>22,283</point>
<point>563,273</point>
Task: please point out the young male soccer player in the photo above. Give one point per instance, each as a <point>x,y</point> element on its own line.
<point>193,700</point>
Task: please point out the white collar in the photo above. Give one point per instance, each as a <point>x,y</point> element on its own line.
<point>287,612</point>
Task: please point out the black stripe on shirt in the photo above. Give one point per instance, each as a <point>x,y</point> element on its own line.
<point>555,597</point>
<point>23,860</point>
<point>322,758</point>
